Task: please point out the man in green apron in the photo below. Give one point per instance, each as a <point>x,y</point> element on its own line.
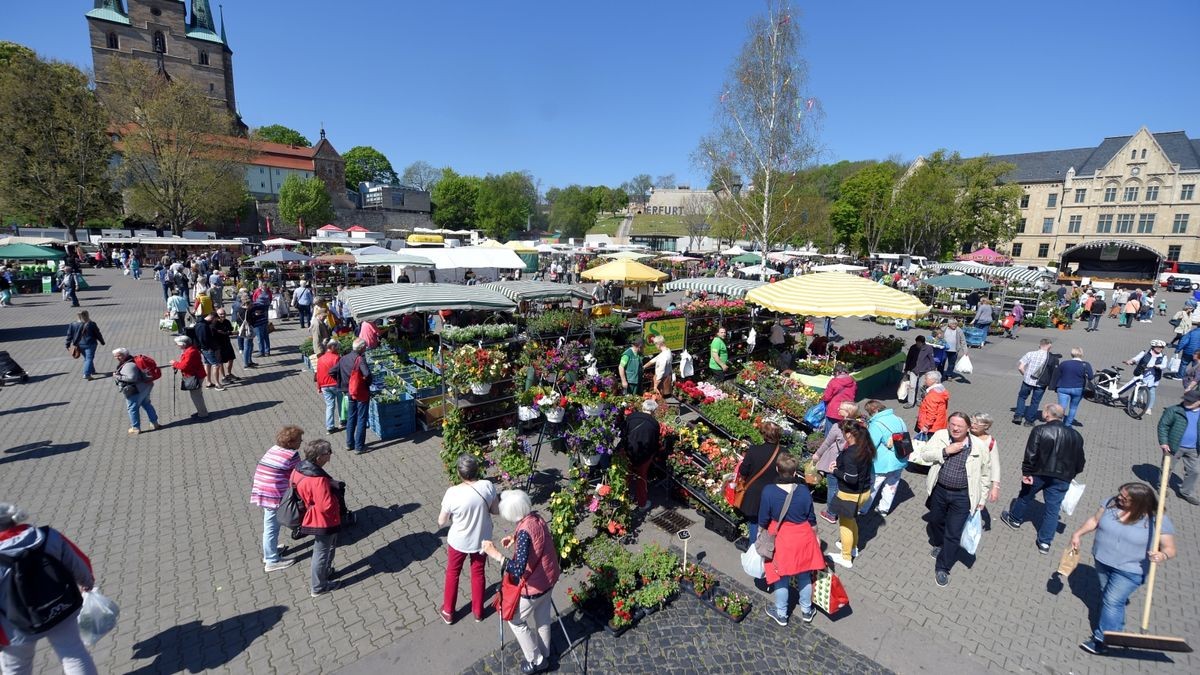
<point>631,367</point>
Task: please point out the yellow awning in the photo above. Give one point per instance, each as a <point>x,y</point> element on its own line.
<point>491,243</point>
<point>519,247</point>
<point>836,294</point>
<point>418,239</point>
<point>629,271</point>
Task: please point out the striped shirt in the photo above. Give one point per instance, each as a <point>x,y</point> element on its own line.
<point>271,476</point>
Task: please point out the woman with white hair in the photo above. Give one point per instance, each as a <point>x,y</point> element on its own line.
<point>534,568</point>
<point>467,509</point>
<point>18,637</point>
<point>191,370</point>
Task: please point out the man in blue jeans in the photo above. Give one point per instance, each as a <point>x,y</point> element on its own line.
<point>359,405</point>
<point>1033,385</point>
<point>1053,457</point>
<point>1188,345</point>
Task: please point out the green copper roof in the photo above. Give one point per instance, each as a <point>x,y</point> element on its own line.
<point>202,16</point>
<point>204,34</point>
<point>105,14</point>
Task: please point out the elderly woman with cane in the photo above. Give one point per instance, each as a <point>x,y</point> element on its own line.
<point>533,570</point>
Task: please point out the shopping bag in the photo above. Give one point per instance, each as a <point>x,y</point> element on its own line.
<point>828,593</point>
<point>1070,558</point>
<point>902,390</point>
<point>972,533</point>
<point>964,365</point>
<point>815,416</point>
<point>1071,499</point>
<point>345,408</point>
<point>1174,363</point>
<point>97,617</point>
<point>752,563</point>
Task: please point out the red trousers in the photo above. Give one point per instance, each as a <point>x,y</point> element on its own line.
<point>639,481</point>
<point>454,567</point>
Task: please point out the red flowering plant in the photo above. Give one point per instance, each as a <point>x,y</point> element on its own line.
<point>613,504</point>
<point>864,353</point>
<point>557,362</point>
<point>688,391</point>
<point>756,373</point>
<point>470,364</point>
<point>593,390</point>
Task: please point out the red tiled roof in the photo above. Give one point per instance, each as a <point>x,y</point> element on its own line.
<point>331,228</point>
<point>357,228</point>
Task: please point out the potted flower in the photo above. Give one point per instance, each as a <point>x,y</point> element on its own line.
<point>593,392</point>
<point>622,616</point>
<point>557,362</point>
<point>696,580</point>
<point>477,367</point>
<point>553,406</point>
<point>527,408</point>
<point>733,605</point>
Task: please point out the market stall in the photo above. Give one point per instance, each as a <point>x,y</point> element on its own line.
<point>627,272</point>
<point>34,267</point>
<point>537,291</point>
<point>836,294</point>
<point>452,264</point>
<point>727,286</point>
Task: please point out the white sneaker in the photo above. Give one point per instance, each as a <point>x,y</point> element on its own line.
<point>840,560</point>
<point>853,554</point>
<point>281,565</point>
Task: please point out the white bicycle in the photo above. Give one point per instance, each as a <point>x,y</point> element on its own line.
<point>1105,387</point>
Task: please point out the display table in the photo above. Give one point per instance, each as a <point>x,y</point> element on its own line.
<point>870,380</point>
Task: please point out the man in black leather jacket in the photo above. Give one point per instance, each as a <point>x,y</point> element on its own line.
<point>1053,457</point>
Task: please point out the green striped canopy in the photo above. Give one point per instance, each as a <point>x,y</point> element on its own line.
<point>1022,274</point>
<point>376,302</point>
<point>960,281</point>
<point>521,291</point>
<point>734,288</point>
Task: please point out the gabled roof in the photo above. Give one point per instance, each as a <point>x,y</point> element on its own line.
<point>330,228</point>
<point>1052,165</point>
<point>357,228</point>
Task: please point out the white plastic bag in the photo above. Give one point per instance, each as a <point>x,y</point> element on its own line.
<point>964,366</point>
<point>752,563</point>
<point>1174,363</point>
<point>1071,499</point>
<point>902,390</point>
<point>972,533</point>
<point>98,616</point>
<point>686,369</point>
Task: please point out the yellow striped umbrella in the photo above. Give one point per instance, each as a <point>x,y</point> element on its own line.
<point>836,294</point>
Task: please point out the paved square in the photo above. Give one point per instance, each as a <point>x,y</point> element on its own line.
<point>167,521</point>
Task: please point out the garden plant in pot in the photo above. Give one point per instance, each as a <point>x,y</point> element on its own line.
<point>477,368</point>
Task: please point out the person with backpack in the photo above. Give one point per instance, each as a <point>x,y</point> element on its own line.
<point>354,381</point>
<point>893,444</point>
<point>82,338</point>
<point>41,570</point>
<point>136,384</point>
<point>1035,367</point>
<point>270,485</point>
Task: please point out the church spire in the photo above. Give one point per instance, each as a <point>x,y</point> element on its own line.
<point>202,16</point>
<point>223,38</point>
<point>113,5</point>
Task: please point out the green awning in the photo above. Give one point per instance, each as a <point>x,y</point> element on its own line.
<point>734,288</point>
<point>30,252</point>
<point>375,302</point>
<point>747,258</point>
<point>960,281</point>
<point>521,291</point>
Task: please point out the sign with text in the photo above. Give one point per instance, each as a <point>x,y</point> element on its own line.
<point>674,330</point>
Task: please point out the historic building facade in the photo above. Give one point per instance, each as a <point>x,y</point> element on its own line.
<point>160,34</point>
<point>1140,188</point>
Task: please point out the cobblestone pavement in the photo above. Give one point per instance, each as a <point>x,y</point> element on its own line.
<point>166,519</point>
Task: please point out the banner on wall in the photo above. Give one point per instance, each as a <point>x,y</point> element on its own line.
<point>674,330</point>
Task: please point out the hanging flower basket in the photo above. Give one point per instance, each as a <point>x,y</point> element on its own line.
<point>528,413</point>
<point>555,415</point>
<point>481,388</point>
<point>592,410</point>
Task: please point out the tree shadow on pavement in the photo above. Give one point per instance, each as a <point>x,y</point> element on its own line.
<point>196,648</point>
<point>393,557</point>
<point>45,376</point>
<point>34,408</point>
<point>54,330</point>
<point>261,377</point>
<point>371,519</point>
<point>40,449</point>
<point>240,410</point>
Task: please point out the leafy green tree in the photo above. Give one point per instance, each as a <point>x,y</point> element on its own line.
<point>305,198</point>
<point>54,159</point>
<point>504,203</point>
<point>277,133</point>
<point>454,198</point>
<point>366,164</point>
<point>177,159</point>
<point>639,186</point>
<point>721,176</point>
<point>573,211</point>
<point>860,215</point>
<point>420,175</point>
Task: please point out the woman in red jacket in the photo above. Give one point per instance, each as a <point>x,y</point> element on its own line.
<point>323,511</point>
<point>841,389</point>
<point>193,372</point>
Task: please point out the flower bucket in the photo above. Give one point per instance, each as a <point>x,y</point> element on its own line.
<point>481,388</point>
<point>555,415</point>
<point>591,410</point>
<point>528,413</point>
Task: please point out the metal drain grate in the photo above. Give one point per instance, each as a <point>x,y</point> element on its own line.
<point>671,521</point>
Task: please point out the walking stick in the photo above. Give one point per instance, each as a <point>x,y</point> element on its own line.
<point>500,618</point>
<point>1161,643</point>
<point>570,643</point>
<point>174,413</point>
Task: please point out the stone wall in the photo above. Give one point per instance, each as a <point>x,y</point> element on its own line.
<point>376,221</point>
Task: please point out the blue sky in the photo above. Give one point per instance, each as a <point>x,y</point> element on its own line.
<point>596,92</point>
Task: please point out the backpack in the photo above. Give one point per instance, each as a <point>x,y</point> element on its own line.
<point>148,367</point>
<point>40,592</point>
<point>1047,372</point>
<point>901,444</point>
<point>290,512</point>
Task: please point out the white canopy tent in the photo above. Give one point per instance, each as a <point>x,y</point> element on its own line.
<point>371,250</point>
<point>280,241</point>
<point>451,264</point>
<point>733,250</point>
<point>839,267</point>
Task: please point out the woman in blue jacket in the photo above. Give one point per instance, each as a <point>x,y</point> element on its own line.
<point>888,467</point>
<point>1071,376</point>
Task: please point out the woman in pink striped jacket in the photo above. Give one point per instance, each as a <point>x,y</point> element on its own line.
<point>270,483</point>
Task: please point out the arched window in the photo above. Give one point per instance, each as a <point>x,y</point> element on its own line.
<point>204,58</point>
<point>160,42</point>
<point>113,41</point>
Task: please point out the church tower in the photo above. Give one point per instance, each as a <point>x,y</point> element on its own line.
<point>160,34</point>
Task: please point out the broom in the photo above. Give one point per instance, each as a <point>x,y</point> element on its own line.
<point>1161,643</point>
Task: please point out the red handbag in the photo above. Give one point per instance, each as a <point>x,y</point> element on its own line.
<point>509,597</point>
